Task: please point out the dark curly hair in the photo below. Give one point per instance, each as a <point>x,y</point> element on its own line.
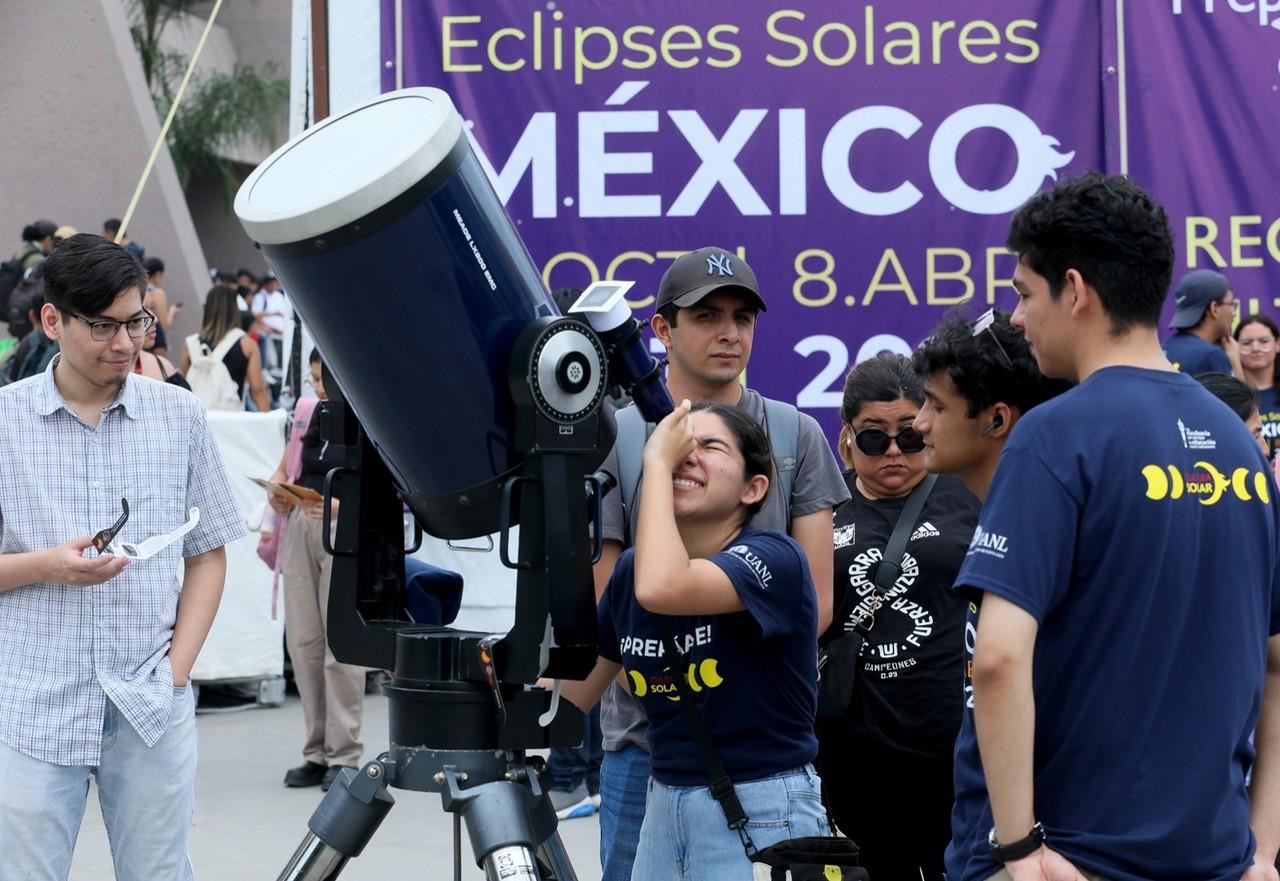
<point>1110,231</point>
<point>1237,394</point>
<point>978,367</point>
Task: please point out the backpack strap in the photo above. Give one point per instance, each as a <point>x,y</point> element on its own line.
<point>632,435</point>
<point>782,426</point>
<point>224,346</point>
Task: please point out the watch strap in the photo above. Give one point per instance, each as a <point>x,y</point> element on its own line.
<point>1016,850</point>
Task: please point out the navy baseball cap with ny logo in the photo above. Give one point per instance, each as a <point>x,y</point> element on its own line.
<point>700,273</point>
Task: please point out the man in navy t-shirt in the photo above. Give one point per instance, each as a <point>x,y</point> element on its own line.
<point>1206,309</point>
<point>1126,562</point>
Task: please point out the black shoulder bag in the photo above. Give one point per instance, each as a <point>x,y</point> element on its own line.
<point>838,663</point>
<point>812,858</point>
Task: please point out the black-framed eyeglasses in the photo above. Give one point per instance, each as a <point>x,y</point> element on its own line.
<point>876,441</point>
<point>105,329</point>
<point>986,323</point>
<point>108,535</point>
<point>1233,305</point>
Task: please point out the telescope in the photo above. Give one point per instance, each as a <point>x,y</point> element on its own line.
<point>457,390</point>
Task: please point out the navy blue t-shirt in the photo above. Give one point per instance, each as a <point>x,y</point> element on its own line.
<point>1193,356</point>
<point>754,673</point>
<point>1135,518</point>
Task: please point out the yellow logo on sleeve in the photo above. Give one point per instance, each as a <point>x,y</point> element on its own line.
<point>1205,483</point>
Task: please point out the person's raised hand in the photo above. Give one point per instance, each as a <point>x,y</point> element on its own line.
<point>66,564</point>
<point>672,441</point>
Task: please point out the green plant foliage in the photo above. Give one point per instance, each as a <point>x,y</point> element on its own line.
<point>218,109</point>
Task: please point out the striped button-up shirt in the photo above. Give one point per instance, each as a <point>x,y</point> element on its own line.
<point>65,651</point>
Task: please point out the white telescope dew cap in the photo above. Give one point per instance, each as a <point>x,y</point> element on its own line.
<point>339,171</point>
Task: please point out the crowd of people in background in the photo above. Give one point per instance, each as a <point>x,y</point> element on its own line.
<point>977,640</point>
<point>957,551</point>
<point>245,318</point>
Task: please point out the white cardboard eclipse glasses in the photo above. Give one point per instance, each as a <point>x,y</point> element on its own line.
<point>150,547</point>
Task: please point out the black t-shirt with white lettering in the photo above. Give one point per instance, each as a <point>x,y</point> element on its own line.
<point>753,673</point>
<point>1269,409</point>
<point>909,693</point>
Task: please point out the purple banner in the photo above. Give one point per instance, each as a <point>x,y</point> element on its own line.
<point>864,158</point>
<point>1203,130</point>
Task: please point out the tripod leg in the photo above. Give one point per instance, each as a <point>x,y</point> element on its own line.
<point>556,858</point>
<point>513,863</point>
<point>342,825</point>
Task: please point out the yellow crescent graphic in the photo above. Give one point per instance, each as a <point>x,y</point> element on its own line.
<point>1157,483</point>
<point>693,678</point>
<point>710,675</point>
<point>1220,483</point>
<point>1260,488</point>
<point>638,688</point>
<point>832,873</point>
<point>1238,485</point>
<point>1176,483</point>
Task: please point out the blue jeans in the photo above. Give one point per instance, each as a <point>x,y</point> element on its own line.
<point>147,796</point>
<point>685,836</point>
<point>570,766</point>
<point>624,780</point>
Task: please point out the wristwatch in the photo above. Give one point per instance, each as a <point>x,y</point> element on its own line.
<point>1016,850</point>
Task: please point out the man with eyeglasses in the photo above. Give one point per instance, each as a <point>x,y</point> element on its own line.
<point>96,648</point>
<point>1125,564</point>
<point>1206,311</point>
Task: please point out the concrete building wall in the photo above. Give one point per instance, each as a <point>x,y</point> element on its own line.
<point>223,239</point>
<point>87,127</point>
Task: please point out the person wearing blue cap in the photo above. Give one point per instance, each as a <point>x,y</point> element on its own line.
<point>1206,309</point>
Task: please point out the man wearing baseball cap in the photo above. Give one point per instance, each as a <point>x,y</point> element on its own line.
<point>707,305</point>
<point>1206,309</point>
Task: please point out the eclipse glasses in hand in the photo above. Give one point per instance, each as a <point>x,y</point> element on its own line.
<point>105,541</point>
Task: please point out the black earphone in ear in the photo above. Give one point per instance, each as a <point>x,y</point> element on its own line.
<point>996,422</point>
<point>999,420</point>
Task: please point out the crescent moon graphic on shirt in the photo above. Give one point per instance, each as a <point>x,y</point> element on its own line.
<point>1176,484</point>
<point>710,675</point>
<point>1260,488</point>
<point>692,678</point>
<point>1238,485</point>
<point>1220,483</point>
<point>638,688</point>
<point>1157,483</point>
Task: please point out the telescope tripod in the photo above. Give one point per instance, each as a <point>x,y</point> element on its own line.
<point>462,708</point>
<point>496,793</point>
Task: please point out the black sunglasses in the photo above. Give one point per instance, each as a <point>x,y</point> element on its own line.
<point>875,441</point>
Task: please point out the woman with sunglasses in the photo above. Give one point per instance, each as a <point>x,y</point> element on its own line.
<point>886,763</point>
<point>1259,336</point>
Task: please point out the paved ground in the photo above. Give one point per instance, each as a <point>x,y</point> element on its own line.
<point>247,824</point>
